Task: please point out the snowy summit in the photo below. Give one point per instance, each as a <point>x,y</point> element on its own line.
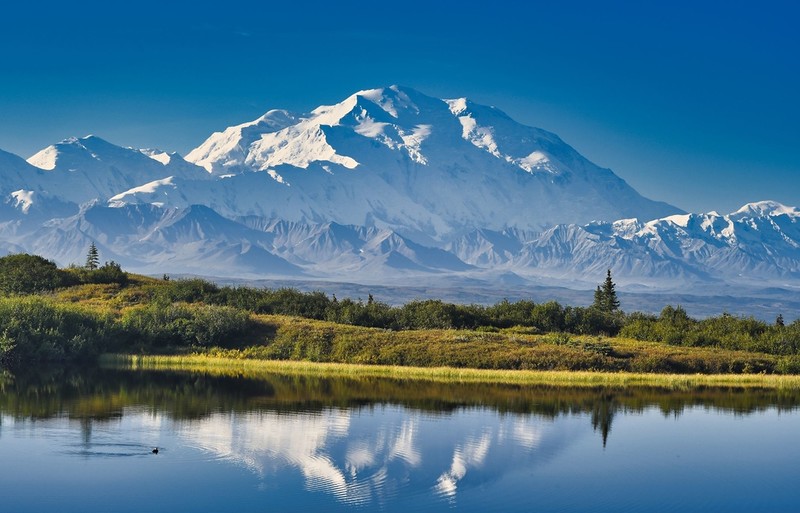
<point>387,184</point>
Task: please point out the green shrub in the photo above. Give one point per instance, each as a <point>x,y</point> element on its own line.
<point>28,274</point>
<point>788,365</point>
<point>193,290</point>
<point>34,329</point>
<point>110,272</point>
<point>160,325</point>
<point>674,327</point>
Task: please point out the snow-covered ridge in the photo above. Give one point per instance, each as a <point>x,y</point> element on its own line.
<point>766,208</point>
<point>227,149</point>
<point>683,251</point>
<point>385,156</point>
<point>385,185</point>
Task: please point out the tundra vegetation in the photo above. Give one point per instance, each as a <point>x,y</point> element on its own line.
<point>77,314</point>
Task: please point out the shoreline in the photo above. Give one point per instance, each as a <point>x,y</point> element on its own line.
<point>254,367</point>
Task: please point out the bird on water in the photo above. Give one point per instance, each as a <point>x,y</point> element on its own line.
<point>155,450</point>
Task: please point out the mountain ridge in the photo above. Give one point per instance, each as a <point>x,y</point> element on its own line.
<point>385,186</point>
<point>398,146</point>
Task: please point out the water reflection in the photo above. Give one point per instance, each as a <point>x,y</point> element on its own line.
<point>102,394</point>
<point>359,459</point>
<point>370,442</point>
<point>471,454</point>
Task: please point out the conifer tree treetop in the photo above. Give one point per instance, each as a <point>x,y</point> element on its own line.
<point>92,258</point>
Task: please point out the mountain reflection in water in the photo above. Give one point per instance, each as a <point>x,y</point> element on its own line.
<point>362,442</point>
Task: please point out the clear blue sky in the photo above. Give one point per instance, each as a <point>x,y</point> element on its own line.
<point>695,103</point>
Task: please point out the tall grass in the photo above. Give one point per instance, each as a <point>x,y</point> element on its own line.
<point>253,368</point>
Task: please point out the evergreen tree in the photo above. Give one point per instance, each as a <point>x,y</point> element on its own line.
<point>610,294</point>
<point>605,296</point>
<point>779,321</point>
<point>92,258</point>
<point>599,299</point>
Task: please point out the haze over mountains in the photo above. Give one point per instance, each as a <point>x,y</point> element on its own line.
<point>387,186</point>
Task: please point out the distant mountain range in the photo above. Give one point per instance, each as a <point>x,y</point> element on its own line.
<point>387,186</point>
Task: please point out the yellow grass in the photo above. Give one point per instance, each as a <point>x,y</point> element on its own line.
<point>252,368</point>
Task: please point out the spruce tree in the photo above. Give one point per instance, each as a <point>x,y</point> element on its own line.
<point>599,299</point>
<point>605,296</point>
<point>610,301</point>
<point>92,258</point>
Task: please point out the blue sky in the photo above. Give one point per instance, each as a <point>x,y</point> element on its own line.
<point>694,103</point>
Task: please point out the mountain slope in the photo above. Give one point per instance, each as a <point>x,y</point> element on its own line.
<point>27,193</point>
<point>148,238</point>
<point>90,168</point>
<point>389,185</point>
<point>421,166</point>
<point>391,158</point>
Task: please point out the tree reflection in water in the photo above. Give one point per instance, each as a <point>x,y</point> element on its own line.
<point>359,440</point>
<point>96,394</point>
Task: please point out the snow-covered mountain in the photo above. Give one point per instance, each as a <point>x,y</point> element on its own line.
<point>395,158</point>
<point>79,170</point>
<point>388,185</point>
<point>756,244</point>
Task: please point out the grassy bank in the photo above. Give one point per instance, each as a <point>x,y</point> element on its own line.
<point>222,366</point>
<point>148,316</point>
<point>293,338</point>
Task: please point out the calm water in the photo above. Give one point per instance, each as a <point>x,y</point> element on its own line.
<point>82,442</point>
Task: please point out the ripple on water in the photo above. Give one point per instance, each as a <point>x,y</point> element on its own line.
<point>111,450</point>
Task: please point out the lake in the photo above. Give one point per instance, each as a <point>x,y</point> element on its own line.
<point>82,442</point>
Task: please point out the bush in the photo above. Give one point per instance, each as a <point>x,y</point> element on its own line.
<point>160,325</point>
<point>506,314</point>
<point>110,272</point>
<point>287,301</point>
<point>36,329</point>
<point>187,291</point>
<point>673,326</point>
<point>430,314</point>
<point>28,274</point>
<point>548,316</point>
<point>788,365</point>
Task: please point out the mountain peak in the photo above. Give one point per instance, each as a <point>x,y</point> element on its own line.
<point>84,142</point>
<point>393,104</point>
<point>160,156</point>
<point>378,184</point>
<point>227,150</point>
<point>48,157</point>
<point>274,118</point>
<point>393,99</point>
<point>766,208</point>
<point>387,154</point>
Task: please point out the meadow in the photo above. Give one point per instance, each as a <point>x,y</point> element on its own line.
<point>79,315</point>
